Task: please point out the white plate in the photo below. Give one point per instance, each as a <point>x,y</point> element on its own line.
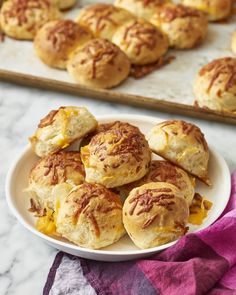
<point>124,249</point>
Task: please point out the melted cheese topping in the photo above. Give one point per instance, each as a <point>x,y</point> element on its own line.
<point>46,224</point>
<point>188,151</point>
<point>199,209</point>
<point>70,112</point>
<point>107,178</point>
<point>193,181</point>
<point>210,10</point>
<point>85,156</point>
<point>57,207</point>
<point>165,229</point>
<point>66,113</point>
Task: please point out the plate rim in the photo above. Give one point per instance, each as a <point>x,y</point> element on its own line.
<point>126,116</point>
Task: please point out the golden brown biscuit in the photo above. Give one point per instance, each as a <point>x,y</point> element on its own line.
<point>141,8</point>
<point>99,64</point>
<point>155,214</point>
<point>21,19</point>
<point>100,128</point>
<point>183,144</point>
<point>185,27</point>
<point>163,171</point>
<point>102,20</point>
<point>117,156</point>
<point>141,42</point>
<point>57,39</point>
<point>215,85</point>
<point>60,128</point>
<point>215,9</point>
<point>51,170</point>
<point>90,216</point>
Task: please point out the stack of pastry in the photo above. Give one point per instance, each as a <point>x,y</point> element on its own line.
<point>65,44</point>
<point>110,185</point>
<point>107,38</point>
<point>104,39</point>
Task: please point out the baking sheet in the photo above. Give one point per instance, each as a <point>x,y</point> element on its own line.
<point>171,83</point>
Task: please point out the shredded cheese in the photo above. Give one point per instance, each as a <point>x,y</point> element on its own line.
<point>211,10</point>
<point>199,209</point>
<point>66,113</point>
<point>46,224</point>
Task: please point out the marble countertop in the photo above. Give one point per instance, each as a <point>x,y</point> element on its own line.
<point>24,259</point>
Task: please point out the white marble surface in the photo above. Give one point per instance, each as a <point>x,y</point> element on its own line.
<point>24,260</point>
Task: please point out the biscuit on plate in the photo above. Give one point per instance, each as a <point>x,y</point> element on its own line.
<point>117,156</point>
<point>163,171</point>
<point>57,39</point>
<point>183,144</point>
<point>155,214</point>
<point>21,19</point>
<point>90,216</point>
<point>60,128</point>
<point>102,127</point>
<point>184,26</point>
<point>48,172</point>
<point>102,20</point>
<point>141,42</point>
<point>215,85</point>
<point>99,64</point>
<point>141,8</point>
<point>215,9</point>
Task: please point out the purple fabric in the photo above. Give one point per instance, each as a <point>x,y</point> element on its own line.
<point>199,263</point>
<point>52,273</point>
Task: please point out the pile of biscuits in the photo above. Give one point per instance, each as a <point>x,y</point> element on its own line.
<point>186,26</point>
<point>107,43</point>
<point>99,47</point>
<point>93,183</point>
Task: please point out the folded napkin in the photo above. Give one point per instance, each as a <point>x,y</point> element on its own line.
<point>199,263</point>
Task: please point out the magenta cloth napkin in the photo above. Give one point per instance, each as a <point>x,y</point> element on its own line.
<point>199,263</point>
